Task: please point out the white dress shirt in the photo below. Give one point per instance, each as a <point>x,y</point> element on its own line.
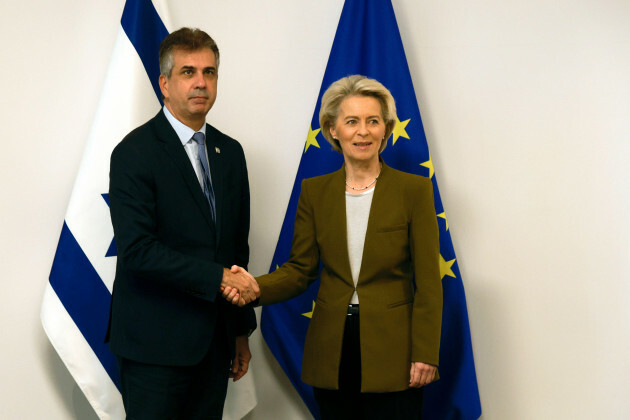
<point>185,134</point>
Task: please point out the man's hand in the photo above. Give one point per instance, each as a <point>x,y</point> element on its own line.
<point>240,364</point>
<point>238,286</point>
<point>232,296</point>
<point>421,374</point>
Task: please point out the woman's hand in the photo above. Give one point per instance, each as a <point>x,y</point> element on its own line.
<point>231,293</point>
<point>421,374</point>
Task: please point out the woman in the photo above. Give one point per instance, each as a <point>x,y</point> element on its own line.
<point>374,229</point>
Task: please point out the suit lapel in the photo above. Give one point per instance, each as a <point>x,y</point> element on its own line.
<point>336,210</point>
<point>216,171</point>
<point>174,149</point>
<point>380,205</point>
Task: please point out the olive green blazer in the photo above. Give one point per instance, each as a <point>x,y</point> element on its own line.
<point>398,325</point>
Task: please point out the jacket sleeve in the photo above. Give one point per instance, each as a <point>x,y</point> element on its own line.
<point>133,209</point>
<point>425,252</point>
<point>302,268</point>
<point>245,318</point>
<point>242,233</point>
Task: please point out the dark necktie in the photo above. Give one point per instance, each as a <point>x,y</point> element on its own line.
<point>205,168</point>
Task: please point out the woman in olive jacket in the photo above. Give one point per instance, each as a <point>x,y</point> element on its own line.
<point>374,230</point>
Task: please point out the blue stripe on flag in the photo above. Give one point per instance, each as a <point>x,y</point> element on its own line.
<point>112,251</point>
<point>145,30</point>
<point>85,297</point>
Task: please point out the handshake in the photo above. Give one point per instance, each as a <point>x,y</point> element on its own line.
<point>238,286</point>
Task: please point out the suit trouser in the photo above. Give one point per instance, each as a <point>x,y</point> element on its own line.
<point>349,402</point>
<point>178,392</point>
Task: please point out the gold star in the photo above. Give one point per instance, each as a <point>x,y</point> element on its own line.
<point>443,216</point>
<point>429,164</point>
<point>310,314</point>
<point>399,130</point>
<point>445,267</point>
<point>311,138</point>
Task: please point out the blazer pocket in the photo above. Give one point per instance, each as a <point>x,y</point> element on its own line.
<point>321,302</point>
<point>392,228</point>
<point>400,303</point>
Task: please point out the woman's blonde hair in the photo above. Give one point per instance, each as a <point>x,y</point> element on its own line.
<point>355,85</point>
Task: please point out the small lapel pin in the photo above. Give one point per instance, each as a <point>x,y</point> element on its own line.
<point>216,149</point>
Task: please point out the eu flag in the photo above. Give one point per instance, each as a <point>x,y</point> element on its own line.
<point>367,42</point>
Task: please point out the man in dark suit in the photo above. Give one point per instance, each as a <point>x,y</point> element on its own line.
<point>180,209</point>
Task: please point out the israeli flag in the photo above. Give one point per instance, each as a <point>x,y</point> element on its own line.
<point>76,303</point>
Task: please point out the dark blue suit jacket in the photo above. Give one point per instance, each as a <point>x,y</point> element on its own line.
<point>171,255</point>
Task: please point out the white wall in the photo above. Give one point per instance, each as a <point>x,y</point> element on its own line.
<point>526,106</point>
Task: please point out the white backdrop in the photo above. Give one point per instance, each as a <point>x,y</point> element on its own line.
<point>526,105</point>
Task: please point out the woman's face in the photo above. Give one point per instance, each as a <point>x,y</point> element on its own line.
<point>359,128</point>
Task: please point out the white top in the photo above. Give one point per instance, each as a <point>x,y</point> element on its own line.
<point>357,215</point>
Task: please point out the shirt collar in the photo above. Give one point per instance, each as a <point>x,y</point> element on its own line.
<point>184,132</point>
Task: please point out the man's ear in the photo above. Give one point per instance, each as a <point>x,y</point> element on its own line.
<point>163,81</point>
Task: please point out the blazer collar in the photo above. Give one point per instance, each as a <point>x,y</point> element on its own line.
<point>380,203</point>
<point>172,145</point>
<point>217,172</point>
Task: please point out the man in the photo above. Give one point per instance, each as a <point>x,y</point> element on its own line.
<point>179,197</point>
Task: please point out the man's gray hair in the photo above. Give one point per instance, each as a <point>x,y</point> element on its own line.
<point>187,39</point>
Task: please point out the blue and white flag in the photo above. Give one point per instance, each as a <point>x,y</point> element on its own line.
<point>368,42</point>
<point>76,303</point>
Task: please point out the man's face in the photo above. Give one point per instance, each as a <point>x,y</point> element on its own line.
<point>191,90</point>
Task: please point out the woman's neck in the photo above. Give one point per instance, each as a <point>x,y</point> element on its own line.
<point>361,174</point>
